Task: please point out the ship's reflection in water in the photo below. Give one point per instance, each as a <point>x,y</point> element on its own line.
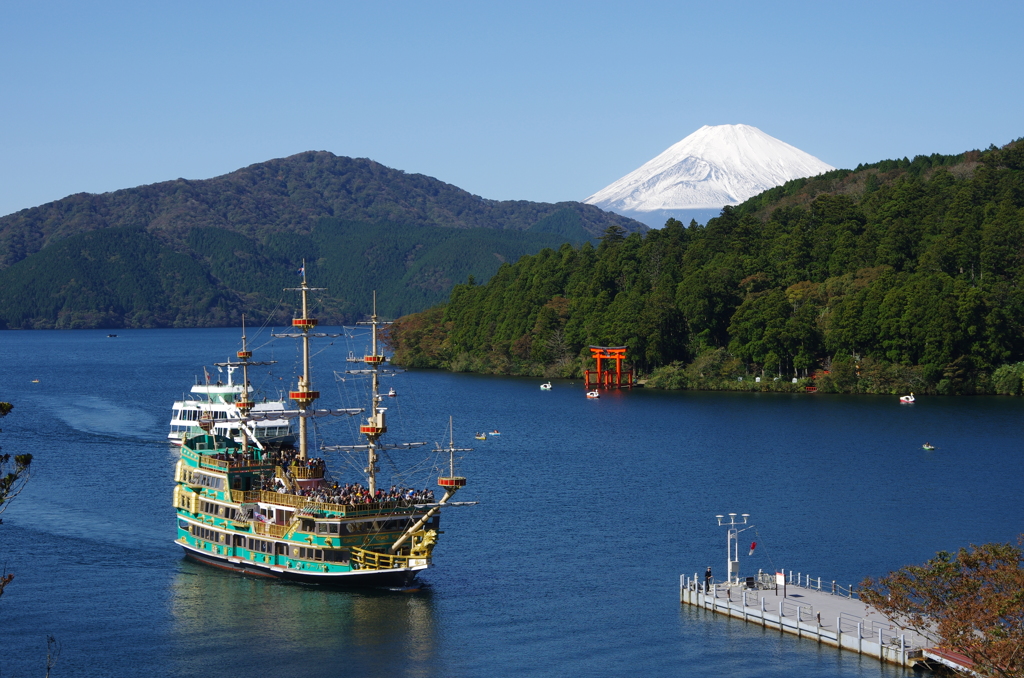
<point>280,629</point>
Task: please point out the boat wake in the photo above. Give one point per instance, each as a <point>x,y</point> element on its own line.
<point>97,416</point>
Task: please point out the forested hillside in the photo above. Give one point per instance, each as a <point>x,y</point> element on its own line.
<point>129,277</point>
<point>200,253</point>
<point>902,275</point>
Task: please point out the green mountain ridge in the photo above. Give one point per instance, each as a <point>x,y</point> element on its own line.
<point>201,253</point>
<point>900,275</point>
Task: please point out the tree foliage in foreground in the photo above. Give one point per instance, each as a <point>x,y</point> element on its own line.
<point>903,275</point>
<point>13,476</point>
<point>971,602</point>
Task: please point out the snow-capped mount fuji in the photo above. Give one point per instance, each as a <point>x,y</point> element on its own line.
<point>715,166</point>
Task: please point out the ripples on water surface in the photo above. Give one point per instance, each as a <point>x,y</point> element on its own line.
<point>589,512</point>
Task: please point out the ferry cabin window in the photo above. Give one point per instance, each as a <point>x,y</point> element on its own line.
<point>215,482</point>
<point>309,554</point>
<point>327,528</point>
<point>261,546</point>
<point>307,525</point>
<point>218,510</point>
<point>336,556</point>
<point>209,535</point>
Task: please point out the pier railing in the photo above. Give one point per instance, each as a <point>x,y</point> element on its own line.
<point>851,631</point>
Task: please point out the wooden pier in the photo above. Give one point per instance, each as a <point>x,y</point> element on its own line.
<point>819,610</point>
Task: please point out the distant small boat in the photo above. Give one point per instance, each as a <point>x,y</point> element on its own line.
<point>392,394</point>
<point>494,433</point>
<point>907,398</point>
<point>546,387</point>
<point>111,335</point>
<point>593,394</point>
<point>928,446</point>
<point>35,381</point>
<point>481,436</point>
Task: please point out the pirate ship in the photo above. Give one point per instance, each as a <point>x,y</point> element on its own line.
<point>274,511</point>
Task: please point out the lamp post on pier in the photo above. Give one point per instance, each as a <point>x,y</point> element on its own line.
<point>732,544</point>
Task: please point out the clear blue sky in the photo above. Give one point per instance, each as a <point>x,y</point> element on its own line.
<point>542,101</point>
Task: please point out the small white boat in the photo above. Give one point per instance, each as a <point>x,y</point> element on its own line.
<point>593,394</point>
<point>907,399</point>
<point>546,387</point>
<point>392,394</point>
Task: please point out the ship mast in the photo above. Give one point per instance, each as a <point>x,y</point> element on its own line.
<point>304,395</point>
<point>244,403</point>
<point>375,425</point>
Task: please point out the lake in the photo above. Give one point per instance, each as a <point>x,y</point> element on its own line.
<point>589,510</point>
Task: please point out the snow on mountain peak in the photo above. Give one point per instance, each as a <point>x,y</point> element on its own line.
<point>715,166</point>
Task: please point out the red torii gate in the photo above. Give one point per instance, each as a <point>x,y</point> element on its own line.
<point>607,378</point>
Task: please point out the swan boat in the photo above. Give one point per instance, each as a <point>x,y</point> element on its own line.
<point>272,510</point>
<point>907,399</point>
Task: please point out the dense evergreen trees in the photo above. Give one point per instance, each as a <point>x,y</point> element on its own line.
<point>131,277</point>
<point>899,275</point>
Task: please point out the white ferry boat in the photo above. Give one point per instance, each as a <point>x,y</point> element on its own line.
<point>216,401</point>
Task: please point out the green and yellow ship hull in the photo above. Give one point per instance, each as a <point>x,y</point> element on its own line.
<point>225,520</point>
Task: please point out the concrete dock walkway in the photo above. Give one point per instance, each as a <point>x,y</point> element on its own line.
<point>815,609</point>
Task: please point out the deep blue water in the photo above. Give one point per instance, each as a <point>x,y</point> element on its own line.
<point>589,512</point>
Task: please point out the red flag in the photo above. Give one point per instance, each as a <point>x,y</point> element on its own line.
<point>753,545</point>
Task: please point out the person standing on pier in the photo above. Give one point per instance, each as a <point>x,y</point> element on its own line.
<point>707,580</point>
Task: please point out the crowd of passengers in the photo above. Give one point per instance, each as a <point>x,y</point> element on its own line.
<point>286,457</point>
<point>354,493</point>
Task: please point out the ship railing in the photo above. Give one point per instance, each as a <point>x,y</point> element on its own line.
<point>282,498</point>
<point>270,529</point>
<point>306,472</point>
<point>355,510</point>
<point>371,560</point>
<point>225,464</point>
